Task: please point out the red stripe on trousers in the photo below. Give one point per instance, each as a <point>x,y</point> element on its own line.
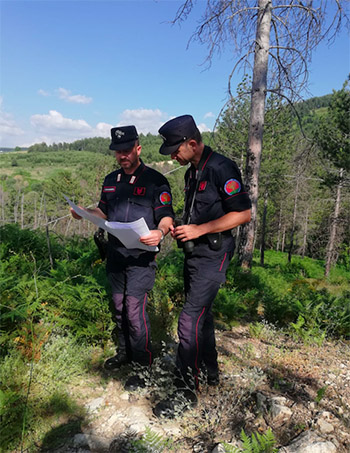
<point>195,363</point>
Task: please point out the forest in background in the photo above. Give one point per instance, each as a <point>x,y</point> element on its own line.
<point>54,294</point>
<point>301,186</point>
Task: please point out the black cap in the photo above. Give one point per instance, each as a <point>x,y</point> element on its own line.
<point>123,137</point>
<point>176,131</point>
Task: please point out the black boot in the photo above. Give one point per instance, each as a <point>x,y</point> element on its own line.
<point>116,362</point>
<point>177,403</point>
<point>134,383</point>
<point>213,379</point>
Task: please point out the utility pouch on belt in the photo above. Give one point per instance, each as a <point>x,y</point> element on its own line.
<point>100,241</point>
<point>215,241</point>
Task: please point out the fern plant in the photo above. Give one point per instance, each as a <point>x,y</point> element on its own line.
<point>151,442</point>
<point>257,443</point>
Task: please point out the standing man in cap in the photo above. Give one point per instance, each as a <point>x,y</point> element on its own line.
<point>132,192</point>
<point>215,203</point>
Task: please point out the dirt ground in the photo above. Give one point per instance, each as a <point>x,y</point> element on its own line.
<point>268,380</point>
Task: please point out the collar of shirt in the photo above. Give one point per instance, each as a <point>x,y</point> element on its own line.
<point>131,178</point>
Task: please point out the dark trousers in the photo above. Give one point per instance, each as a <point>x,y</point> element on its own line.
<point>130,285</point>
<point>204,272</point>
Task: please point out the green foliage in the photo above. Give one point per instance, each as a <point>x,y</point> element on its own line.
<point>280,292</point>
<point>332,133</point>
<point>166,297</point>
<point>151,442</point>
<point>259,443</point>
<point>256,443</point>
<point>71,296</point>
<point>32,397</point>
<point>320,394</point>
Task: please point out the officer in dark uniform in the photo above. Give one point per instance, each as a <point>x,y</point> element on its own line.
<point>215,203</point>
<point>132,192</point>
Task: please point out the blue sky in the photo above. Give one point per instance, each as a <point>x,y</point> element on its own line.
<point>74,69</point>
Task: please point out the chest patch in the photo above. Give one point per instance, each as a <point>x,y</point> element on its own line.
<point>140,191</point>
<point>165,198</point>
<point>109,189</point>
<point>232,186</point>
<point>202,186</point>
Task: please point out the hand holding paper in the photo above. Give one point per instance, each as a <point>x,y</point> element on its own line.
<point>128,233</point>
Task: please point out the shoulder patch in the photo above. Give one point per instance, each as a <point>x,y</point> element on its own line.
<point>165,198</point>
<point>232,186</point>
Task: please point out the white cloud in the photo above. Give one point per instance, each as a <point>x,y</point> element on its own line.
<point>103,130</point>
<point>55,121</point>
<point>76,98</point>
<point>54,128</point>
<point>203,127</point>
<point>43,93</point>
<point>209,115</point>
<point>8,127</point>
<point>145,120</point>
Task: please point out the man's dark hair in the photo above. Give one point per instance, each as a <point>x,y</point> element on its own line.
<point>196,136</point>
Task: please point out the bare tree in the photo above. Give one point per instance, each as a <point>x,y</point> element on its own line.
<point>275,39</point>
<point>332,246</point>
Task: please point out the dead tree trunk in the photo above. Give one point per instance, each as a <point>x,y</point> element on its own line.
<point>294,222</point>
<point>256,125</point>
<point>331,246</point>
<point>283,238</point>
<point>22,211</point>
<point>305,233</point>
<point>263,230</point>
<point>279,229</point>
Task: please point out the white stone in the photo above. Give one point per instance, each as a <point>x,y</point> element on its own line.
<point>115,418</point>
<point>312,406</point>
<point>280,413</point>
<point>326,414</point>
<point>325,427</point>
<point>95,404</point>
<point>310,442</point>
<point>124,396</point>
<point>278,400</point>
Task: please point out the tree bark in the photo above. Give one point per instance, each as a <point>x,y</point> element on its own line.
<point>22,211</point>
<point>279,229</point>
<point>294,222</point>
<point>256,125</point>
<point>305,233</point>
<point>263,230</point>
<point>331,246</point>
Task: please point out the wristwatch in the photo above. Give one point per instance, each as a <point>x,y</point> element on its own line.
<point>162,236</point>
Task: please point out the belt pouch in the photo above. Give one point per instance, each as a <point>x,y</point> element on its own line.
<point>215,241</point>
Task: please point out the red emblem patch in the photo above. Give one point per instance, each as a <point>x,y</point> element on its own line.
<point>232,186</point>
<point>141,191</point>
<point>202,186</point>
<point>165,198</point>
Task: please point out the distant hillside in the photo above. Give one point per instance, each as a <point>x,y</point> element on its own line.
<point>304,108</point>
<point>11,150</point>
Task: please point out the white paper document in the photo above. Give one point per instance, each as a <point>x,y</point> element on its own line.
<point>128,233</point>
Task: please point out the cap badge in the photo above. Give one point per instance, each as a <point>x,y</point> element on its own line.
<point>118,133</point>
<point>232,186</point>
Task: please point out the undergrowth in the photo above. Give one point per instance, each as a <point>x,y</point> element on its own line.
<point>51,317</point>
